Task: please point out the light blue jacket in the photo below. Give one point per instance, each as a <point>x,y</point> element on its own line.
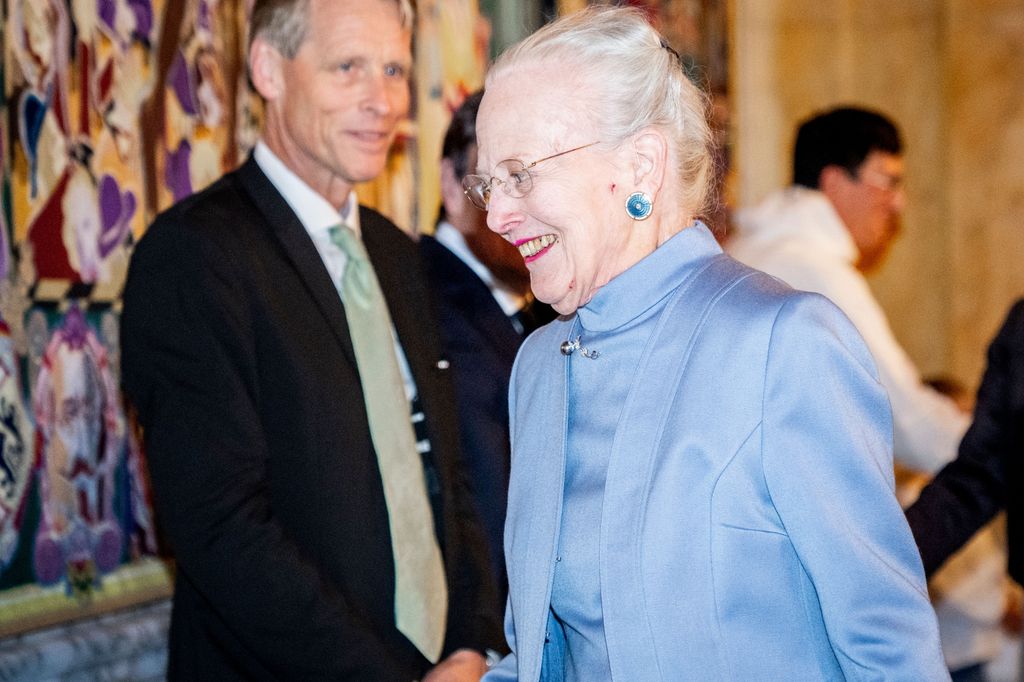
<point>749,528</point>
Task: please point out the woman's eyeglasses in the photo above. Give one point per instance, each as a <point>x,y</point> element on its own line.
<point>517,183</point>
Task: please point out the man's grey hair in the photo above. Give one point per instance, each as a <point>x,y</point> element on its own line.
<point>285,23</point>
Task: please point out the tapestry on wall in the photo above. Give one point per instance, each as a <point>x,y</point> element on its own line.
<point>79,145</point>
<point>110,111</point>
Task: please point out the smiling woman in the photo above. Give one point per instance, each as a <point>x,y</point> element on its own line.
<point>685,500</point>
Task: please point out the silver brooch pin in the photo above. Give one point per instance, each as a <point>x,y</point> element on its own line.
<point>569,347</point>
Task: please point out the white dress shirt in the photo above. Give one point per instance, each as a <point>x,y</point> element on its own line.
<point>317,215</point>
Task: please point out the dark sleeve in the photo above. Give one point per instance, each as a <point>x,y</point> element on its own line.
<point>189,368</point>
<point>474,616</point>
<point>970,490</point>
<point>476,622</point>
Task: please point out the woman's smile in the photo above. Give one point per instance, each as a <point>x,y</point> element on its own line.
<point>535,247</point>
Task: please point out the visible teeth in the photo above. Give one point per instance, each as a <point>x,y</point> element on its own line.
<point>531,247</point>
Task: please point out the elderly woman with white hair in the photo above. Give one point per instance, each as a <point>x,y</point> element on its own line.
<point>702,481</point>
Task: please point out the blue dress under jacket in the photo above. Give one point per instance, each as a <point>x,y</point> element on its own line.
<point>711,498</point>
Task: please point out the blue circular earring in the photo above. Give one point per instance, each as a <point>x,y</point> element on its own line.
<point>639,206</point>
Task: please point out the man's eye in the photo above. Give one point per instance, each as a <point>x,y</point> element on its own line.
<point>395,71</point>
<point>345,67</point>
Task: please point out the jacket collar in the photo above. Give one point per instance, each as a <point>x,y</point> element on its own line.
<point>299,248</point>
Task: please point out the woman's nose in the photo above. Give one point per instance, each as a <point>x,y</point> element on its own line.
<point>501,213</point>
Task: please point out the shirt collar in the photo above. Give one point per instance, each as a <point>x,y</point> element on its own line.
<point>314,211</point>
<point>510,301</point>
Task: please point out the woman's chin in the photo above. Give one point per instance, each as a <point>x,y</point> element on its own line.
<point>558,293</point>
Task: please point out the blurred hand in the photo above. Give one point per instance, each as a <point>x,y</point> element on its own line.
<point>1013,613</point>
<point>465,665</point>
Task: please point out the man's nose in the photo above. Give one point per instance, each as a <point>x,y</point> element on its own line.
<point>898,200</point>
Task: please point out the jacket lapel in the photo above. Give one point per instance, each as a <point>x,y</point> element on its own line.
<point>397,276</point>
<point>300,250</point>
<point>535,491</point>
<point>459,287</point>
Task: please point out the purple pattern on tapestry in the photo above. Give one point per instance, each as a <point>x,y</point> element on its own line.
<point>176,172</point>
<point>107,547</point>
<point>116,211</point>
<point>48,559</point>
<point>107,10</point>
<point>74,328</point>
<point>203,20</point>
<point>143,10</point>
<point>5,247</point>
<point>181,80</point>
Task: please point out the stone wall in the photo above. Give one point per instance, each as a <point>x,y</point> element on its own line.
<point>949,71</point>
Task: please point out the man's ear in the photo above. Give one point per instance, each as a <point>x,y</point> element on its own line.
<point>265,69</point>
<point>451,186</point>
<point>832,179</point>
<point>650,160</point>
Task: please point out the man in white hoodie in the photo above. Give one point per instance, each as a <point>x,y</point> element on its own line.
<point>822,234</point>
<point>832,225</point>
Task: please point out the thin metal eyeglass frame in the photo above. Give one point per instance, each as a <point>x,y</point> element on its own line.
<point>480,189</point>
<point>891,185</point>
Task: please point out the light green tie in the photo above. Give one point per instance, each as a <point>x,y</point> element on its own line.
<point>421,593</point>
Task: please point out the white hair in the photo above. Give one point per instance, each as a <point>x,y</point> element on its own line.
<point>631,80</point>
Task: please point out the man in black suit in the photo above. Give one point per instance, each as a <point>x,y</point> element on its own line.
<point>486,309</point>
<point>246,317</point>
<point>986,475</point>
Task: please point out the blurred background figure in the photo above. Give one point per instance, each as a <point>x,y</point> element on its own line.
<point>830,227</point>
<point>823,233</point>
<point>986,475</point>
<point>486,310</point>
<point>977,605</point>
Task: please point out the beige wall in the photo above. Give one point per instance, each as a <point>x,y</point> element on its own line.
<point>951,73</point>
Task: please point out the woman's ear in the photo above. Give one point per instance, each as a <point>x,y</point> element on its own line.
<point>651,159</point>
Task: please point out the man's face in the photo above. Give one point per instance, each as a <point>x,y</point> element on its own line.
<point>870,203</point>
<point>501,258</point>
<point>333,110</point>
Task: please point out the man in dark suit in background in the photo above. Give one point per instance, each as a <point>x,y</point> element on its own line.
<point>986,476</point>
<point>486,310</point>
<point>296,411</point>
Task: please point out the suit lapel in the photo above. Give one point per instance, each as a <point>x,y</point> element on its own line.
<point>300,250</point>
<point>394,276</point>
<point>460,287</point>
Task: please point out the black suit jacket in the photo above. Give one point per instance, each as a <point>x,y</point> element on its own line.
<point>237,357</point>
<point>481,343</point>
<point>986,475</point>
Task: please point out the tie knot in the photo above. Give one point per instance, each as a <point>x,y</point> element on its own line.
<point>344,237</point>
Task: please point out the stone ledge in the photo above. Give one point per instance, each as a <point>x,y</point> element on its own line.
<point>126,645</point>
